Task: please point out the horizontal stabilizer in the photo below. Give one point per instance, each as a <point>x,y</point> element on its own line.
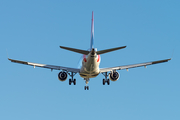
<point>109,50</point>
<point>85,52</point>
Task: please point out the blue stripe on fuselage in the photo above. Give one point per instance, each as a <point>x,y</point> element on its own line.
<point>92,32</point>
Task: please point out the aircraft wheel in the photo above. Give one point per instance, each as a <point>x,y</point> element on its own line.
<point>74,81</point>
<point>69,81</point>
<point>104,82</point>
<point>86,87</point>
<point>108,82</point>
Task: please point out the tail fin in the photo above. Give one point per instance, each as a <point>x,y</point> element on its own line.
<point>92,32</point>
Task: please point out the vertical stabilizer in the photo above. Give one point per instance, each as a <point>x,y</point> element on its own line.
<point>92,32</point>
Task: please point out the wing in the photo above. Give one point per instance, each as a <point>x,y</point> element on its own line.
<point>52,67</point>
<point>132,66</point>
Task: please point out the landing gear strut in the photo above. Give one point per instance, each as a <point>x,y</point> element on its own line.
<point>86,81</point>
<point>72,80</point>
<point>106,80</point>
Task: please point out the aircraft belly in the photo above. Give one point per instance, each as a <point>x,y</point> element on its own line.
<point>89,70</point>
<point>88,75</point>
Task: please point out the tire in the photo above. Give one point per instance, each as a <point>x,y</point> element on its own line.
<point>69,81</point>
<point>84,87</point>
<point>104,82</point>
<point>74,81</point>
<point>87,87</point>
<point>108,82</point>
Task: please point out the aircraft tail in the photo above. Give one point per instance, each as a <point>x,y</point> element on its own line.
<point>85,52</point>
<point>92,32</point>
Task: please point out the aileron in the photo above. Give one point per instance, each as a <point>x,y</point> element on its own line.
<point>132,66</point>
<point>46,66</point>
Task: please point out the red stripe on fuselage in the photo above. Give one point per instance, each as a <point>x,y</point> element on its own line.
<point>98,58</point>
<point>84,58</point>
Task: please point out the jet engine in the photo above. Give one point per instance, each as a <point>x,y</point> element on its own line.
<point>114,76</point>
<point>62,76</point>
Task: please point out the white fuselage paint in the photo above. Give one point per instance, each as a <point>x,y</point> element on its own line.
<point>90,66</point>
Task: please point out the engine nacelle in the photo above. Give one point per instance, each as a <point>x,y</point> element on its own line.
<point>114,76</point>
<point>62,76</point>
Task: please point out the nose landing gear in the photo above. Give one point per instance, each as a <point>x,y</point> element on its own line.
<point>86,87</point>
<point>86,81</point>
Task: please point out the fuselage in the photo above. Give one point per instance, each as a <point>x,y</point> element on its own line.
<point>90,62</point>
<point>90,65</point>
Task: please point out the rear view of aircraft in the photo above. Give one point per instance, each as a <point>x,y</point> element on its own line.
<point>90,64</point>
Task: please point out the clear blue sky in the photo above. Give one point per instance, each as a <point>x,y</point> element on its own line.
<point>33,30</point>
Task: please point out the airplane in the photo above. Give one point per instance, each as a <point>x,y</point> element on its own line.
<point>90,64</point>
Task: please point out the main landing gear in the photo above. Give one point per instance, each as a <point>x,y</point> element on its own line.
<point>72,80</point>
<point>86,81</point>
<point>106,80</point>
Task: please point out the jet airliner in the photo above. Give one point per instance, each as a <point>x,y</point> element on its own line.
<point>90,64</point>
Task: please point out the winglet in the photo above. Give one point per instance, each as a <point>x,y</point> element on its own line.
<point>172,54</point>
<point>7,54</point>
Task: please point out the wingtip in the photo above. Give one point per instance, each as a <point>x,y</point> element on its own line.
<point>168,59</point>
<point>9,59</point>
<point>123,46</point>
